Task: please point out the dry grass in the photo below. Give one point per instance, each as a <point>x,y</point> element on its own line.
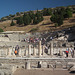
<point>45,25</point>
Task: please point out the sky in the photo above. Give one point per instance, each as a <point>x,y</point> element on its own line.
<point>12,6</point>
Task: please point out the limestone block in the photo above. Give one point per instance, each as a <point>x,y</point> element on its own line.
<point>60,52</point>
<point>27,65</point>
<point>1,73</point>
<point>44,65</point>
<point>14,68</point>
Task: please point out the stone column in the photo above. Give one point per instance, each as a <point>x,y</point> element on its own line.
<point>0,53</point>
<point>51,48</point>
<point>34,51</point>
<point>22,52</point>
<point>43,47</point>
<point>10,51</point>
<point>39,48</point>
<point>19,52</point>
<point>13,49</point>
<point>25,52</point>
<point>29,50</point>
<point>6,51</point>
<point>27,65</point>
<point>60,52</point>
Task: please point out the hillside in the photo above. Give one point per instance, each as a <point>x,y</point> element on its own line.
<point>45,25</point>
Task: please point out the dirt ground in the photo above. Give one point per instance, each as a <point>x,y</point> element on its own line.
<point>43,72</point>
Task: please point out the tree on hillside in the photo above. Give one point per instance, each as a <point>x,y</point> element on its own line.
<point>54,18</point>
<point>3,19</point>
<point>35,20</point>
<point>21,13</point>
<point>68,13</point>
<point>20,20</point>
<point>12,23</point>
<point>31,14</point>
<point>38,17</point>
<point>59,11</point>
<point>26,19</point>
<point>12,15</point>
<point>17,13</point>
<point>60,21</point>
<point>47,12</point>
<point>57,19</point>
<point>44,11</point>
<point>62,11</point>
<point>59,15</point>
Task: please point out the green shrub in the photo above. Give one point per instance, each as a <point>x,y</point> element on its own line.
<point>17,13</point>
<point>12,23</point>
<point>56,24</point>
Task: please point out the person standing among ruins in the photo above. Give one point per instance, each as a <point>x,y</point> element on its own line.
<point>17,50</point>
<point>67,51</point>
<point>72,52</point>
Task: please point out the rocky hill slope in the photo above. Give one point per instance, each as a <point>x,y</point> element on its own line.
<point>45,25</point>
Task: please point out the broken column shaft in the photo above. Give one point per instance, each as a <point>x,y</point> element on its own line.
<point>39,48</point>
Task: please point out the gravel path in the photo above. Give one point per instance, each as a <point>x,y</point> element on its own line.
<point>43,72</point>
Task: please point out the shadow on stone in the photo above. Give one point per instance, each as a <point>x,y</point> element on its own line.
<point>73,72</point>
<point>39,65</point>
